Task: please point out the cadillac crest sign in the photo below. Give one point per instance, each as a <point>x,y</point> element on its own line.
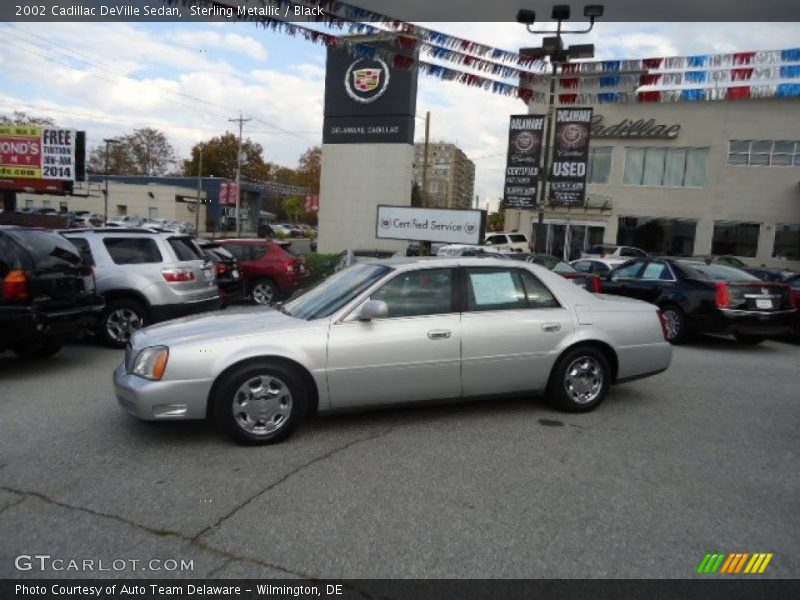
<point>368,83</point>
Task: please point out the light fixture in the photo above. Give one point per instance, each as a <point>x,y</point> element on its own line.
<point>560,12</point>
<point>593,11</point>
<point>526,17</point>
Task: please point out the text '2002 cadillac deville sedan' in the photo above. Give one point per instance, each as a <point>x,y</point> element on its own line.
<point>386,332</point>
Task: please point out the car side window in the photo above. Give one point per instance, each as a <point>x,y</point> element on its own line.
<point>538,295</point>
<point>583,266</point>
<point>495,239</point>
<point>656,270</point>
<point>132,251</point>
<point>417,293</point>
<point>503,289</point>
<point>257,252</point>
<point>628,270</point>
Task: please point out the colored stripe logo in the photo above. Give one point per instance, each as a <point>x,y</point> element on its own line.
<point>734,563</point>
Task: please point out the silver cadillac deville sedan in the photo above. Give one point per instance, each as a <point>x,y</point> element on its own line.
<point>387,332</point>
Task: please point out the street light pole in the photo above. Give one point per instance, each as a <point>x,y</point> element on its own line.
<point>109,142</point>
<point>241,122</point>
<point>553,47</point>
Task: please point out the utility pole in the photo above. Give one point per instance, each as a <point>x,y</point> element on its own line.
<point>109,142</point>
<point>241,122</point>
<point>424,247</point>
<point>199,191</point>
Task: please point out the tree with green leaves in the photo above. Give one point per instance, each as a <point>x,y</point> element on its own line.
<point>144,151</point>
<point>294,207</point>
<point>219,158</point>
<point>309,169</point>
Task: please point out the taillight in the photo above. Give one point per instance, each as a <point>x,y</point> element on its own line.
<point>15,286</point>
<point>221,268</point>
<point>597,287</point>
<point>663,320</point>
<point>722,295</point>
<point>289,267</point>
<point>178,275</point>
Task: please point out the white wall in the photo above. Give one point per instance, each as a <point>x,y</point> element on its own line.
<point>355,179</point>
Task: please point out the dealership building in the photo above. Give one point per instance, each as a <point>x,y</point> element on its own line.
<point>686,178</point>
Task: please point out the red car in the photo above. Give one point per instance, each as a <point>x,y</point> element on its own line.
<point>270,272</point>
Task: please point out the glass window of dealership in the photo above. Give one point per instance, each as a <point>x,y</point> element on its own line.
<point>726,180</point>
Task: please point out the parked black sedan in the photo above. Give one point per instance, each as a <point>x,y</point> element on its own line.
<point>706,298</point>
<point>589,281</point>
<point>229,276</point>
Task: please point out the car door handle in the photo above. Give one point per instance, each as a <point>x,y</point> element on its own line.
<point>551,327</point>
<point>439,334</point>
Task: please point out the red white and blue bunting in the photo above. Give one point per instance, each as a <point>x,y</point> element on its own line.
<point>733,76</point>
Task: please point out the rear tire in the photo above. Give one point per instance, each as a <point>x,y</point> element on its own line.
<point>676,324</point>
<point>37,351</point>
<point>120,320</point>
<point>580,380</point>
<point>261,403</point>
<point>750,340</point>
<point>264,291</point>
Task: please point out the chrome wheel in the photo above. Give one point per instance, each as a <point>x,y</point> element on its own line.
<point>673,322</point>
<point>262,405</point>
<point>263,293</point>
<point>583,380</point>
<point>122,323</point>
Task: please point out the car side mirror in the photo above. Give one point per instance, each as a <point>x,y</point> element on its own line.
<point>372,309</point>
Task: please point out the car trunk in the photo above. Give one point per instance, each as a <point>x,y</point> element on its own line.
<point>193,272</point>
<point>754,296</point>
<point>54,276</point>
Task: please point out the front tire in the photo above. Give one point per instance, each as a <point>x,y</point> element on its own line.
<point>264,292</point>
<point>120,320</point>
<point>580,380</point>
<point>260,403</point>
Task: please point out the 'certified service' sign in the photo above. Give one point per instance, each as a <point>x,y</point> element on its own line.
<point>430,224</point>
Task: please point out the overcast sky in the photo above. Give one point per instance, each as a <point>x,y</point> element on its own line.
<point>188,79</point>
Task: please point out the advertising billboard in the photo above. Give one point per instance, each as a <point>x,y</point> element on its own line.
<point>525,134</point>
<point>570,156</point>
<point>451,226</point>
<point>32,152</point>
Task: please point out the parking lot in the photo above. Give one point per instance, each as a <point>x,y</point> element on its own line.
<point>702,458</point>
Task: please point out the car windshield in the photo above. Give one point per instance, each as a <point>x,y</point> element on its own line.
<point>335,291</point>
<point>715,272</point>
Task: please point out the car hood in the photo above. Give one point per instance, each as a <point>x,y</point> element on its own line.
<point>216,326</point>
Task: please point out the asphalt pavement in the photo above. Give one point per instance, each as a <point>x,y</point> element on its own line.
<point>702,458</point>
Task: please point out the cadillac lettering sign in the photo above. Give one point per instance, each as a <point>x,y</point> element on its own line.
<point>522,162</point>
<point>638,129</point>
<point>367,101</point>
<point>368,82</point>
<point>570,156</point>
<point>430,224</point>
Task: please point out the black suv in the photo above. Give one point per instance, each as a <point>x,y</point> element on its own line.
<point>47,295</point>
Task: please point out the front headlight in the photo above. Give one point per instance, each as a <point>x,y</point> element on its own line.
<point>151,362</point>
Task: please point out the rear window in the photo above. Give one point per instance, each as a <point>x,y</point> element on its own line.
<point>562,267</point>
<point>132,251</point>
<point>518,237</point>
<point>716,272</point>
<point>47,249</point>
<point>185,249</point>
<point>219,251</point>
<point>83,247</point>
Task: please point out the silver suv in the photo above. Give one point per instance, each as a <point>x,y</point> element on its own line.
<point>145,277</point>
